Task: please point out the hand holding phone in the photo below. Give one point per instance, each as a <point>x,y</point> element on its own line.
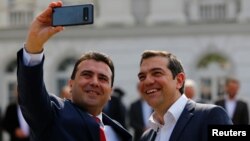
<point>73,15</point>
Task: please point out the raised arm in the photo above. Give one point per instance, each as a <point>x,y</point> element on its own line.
<point>33,97</point>
<point>41,30</point>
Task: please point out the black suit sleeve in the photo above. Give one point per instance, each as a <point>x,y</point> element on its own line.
<point>33,96</point>
<point>216,116</point>
<point>244,115</point>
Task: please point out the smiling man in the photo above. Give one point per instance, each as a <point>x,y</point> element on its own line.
<point>54,119</point>
<point>175,117</point>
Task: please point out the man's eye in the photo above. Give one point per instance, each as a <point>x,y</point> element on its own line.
<point>104,79</point>
<point>86,75</point>
<point>141,78</point>
<point>157,73</point>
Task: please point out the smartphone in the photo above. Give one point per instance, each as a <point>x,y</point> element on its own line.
<point>73,15</point>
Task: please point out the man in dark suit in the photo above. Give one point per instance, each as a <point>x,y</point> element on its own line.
<point>139,113</point>
<point>190,91</point>
<point>12,123</point>
<point>236,108</point>
<point>52,118</point>
<point>175,117</point>
<point>115,107</point>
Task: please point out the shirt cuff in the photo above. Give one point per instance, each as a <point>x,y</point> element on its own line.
<point>32,59</point>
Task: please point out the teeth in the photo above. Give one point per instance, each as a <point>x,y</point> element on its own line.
<point>92,92</point>
<point>151,91</point>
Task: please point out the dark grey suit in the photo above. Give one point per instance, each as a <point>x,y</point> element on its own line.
<point>240,115</point>
<point>52,119</point>
<point>193,122</point>
<point>136,119</point>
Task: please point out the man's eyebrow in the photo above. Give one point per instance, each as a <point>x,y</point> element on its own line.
<point>155,69</point>
<point>88,71</point>
<point>103,75</point>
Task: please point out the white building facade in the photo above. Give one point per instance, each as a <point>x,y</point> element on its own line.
<point>210,37</point>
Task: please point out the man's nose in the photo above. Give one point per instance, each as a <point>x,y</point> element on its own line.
<point>149,80</point>
<point>94,81</point>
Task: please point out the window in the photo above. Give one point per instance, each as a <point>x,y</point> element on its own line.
<point>9,82</point>
<point>64,71</point>
<point>21,12</point>
<point>212,70</point>
<point>20,18</point>
<point>12,92</point>
<point>211,11</point>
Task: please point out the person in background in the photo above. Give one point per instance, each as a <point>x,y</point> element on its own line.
<point>91,83</point>
<point>175,117</point>
<point>66,93</point>
<point>14,123</point>
<point>139,112</point>
<point>190,90</point>
<point>115,107</point>
<point>236,108</point>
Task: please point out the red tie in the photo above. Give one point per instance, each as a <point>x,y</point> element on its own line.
<point>102,134</point>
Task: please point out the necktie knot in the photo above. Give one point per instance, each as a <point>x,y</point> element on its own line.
<point>97,120</point>
<point>102,134</point>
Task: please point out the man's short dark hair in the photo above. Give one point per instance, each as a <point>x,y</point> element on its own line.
<point>97,56</point>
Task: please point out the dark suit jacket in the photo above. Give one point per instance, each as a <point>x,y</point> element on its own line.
<point>11,122</point>
<point>51,118</point>
<point>193,123</point>
<point>240,115</point>
<point>136,119</point>
<point>116,110</point>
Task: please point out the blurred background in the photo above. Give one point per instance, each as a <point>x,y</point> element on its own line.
<point>210,37</point>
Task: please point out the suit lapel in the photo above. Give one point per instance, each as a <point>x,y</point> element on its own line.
<point>223,104</point>
<point>91,124</point>
<point>140,113</point>
<point>182,121</point>
<point>236,110</point>
<point>93,127</point>
<point>119,130</point>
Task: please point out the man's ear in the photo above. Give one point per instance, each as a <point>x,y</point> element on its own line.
<point>70,83</point>
<point>180,80</point>
<point>111,92</point>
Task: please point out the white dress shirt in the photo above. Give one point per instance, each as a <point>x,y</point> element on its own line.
<point>146,111</point>
<point>109,132</point>
<point>23,124</point>
<point>170,119</point>
<point>230,106</point>
<point>32,59</point>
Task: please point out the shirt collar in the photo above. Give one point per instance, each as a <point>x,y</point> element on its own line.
<point>177,108</point>
<point>174,111</point>
<point>100,117</point>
